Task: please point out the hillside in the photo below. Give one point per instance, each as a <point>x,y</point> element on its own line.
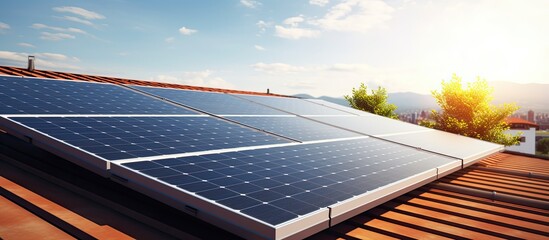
<point>533,96</point>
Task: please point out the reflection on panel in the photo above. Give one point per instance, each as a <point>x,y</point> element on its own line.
<point>41,96</point>
<point>114,138</point>
<point>295,127</point>
<point>215,103</point>
<point>294,105</point>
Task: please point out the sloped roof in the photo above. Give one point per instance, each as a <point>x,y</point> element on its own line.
<point>503,196</point>
<point>514,120</point>
<point>15,71</point>
<point>466,204</point>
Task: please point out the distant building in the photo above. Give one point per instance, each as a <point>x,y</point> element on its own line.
<point>527,142</point>
<point>531,116</point>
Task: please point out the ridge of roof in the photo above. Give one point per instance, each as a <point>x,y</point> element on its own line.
<point>515,120</point>
<point>17,71</point>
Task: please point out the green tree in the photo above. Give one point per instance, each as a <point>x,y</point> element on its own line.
<point>468,112</point>
<point>543,146</point>
<point>376,102</point>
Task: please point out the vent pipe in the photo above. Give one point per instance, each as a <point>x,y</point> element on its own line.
<point>30,66</point>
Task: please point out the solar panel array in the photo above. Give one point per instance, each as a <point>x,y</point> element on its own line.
<point>115,138</point>
<point>279,184</point>
<point>215,103</point>
<point>263,166</point>
<point>42,96</point>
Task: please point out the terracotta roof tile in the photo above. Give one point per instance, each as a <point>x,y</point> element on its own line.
<point>514,120</point>
<point>74,76</point>
<point>18,223</point>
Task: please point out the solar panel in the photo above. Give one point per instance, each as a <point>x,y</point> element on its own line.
<point>461,147</point>
<point>467,149</point>
<point>345,108</point>
<point>283,186</point>
<point>215,103</point>
<point>294,127</point>
<point>294,105</point>
<point>42,96</point>
<point>372,125</point>
<point>115,138</point>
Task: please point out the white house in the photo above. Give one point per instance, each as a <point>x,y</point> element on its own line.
<point>527,142</point>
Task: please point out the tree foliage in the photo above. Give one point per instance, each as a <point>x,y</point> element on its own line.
<point>376,102</point>
<point>469,112</point>
<point>543,146</point>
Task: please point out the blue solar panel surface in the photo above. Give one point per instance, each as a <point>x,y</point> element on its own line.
<point>40,96</point>
<point>279,184</point>
<point>215,103</point>
<point>295,127</point>
<point>115,138</point>
<point>372,124</point>
<point>294,105</point>
<point>345,108</point>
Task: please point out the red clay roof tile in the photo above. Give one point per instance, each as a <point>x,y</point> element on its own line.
<point>74,76</point>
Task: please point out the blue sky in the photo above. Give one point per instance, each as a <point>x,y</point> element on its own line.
<point>319,47</point>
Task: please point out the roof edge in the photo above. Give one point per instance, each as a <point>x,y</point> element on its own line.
<point>18,71</point>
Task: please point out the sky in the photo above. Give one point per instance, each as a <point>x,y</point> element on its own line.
<point>316,47</point>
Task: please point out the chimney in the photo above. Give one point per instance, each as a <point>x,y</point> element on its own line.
<point>30,67</point>
<point>268,92</point>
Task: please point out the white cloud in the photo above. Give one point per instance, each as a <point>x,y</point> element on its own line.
<point>331,80</point>
<point>80,12</point>
<point>200,78</point>
<point>250,3</point>
<point>56,36</point>
<point>321,3</point>
<point>294,21</point>
<point>277,68</point>
<point>22,44</point>
<point>355,16</point>
<point>4,27</point>
<point>348,16</point>
<point>259,48</point>
<point>169,40</point>
<point>53,56</point>
<point>53,61</point>
<point>78,20</point>
<point>262,25</point>
<point>59,29</point>
<point>187,31</point>
<point>295,33</point>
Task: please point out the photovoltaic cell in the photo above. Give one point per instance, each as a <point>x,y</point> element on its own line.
<point>41,96</point>
<point>115,138</point>
<point>449,144</point>
<point>215,103</point>
<point>279,184</point>
<point>295,127</point>
<point>294,105</point>
<point>371,125</point>
<point>339,107</point>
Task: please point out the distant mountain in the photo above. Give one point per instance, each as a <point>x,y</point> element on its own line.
<point>527,96</point>
<point>534,96</point>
